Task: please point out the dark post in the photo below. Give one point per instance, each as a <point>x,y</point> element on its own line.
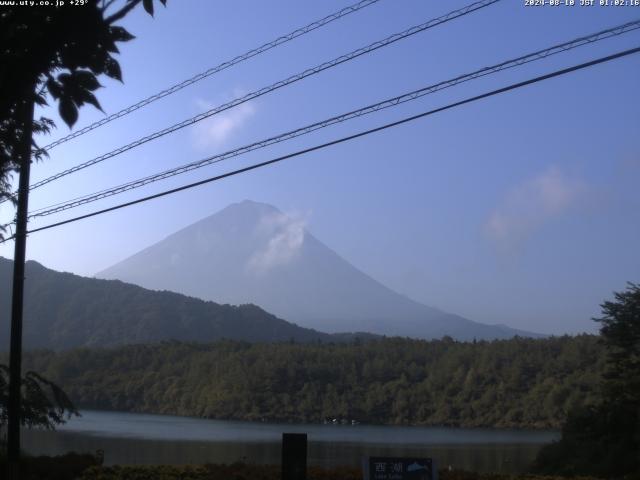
<point>294,456</point>
<point>15,355</point>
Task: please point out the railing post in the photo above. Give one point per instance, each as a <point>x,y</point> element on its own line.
<point>294,456</point>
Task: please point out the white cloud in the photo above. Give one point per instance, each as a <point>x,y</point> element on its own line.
<point>527,207</point>
<point>284,236</point>
<point>215,130</point>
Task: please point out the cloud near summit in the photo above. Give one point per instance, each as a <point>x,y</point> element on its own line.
<point>528,206</point>
<point>284,236</point>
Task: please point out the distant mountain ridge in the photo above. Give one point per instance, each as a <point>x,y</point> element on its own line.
<point>251,252</point>
<point>62,311</point>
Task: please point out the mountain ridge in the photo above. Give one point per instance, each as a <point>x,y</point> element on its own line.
<point>252,252</point>
<point>63,310</point>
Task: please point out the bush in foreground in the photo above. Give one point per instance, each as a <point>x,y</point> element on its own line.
<point>241,471</point>
<point>63,467</point>
<point>75,466</point>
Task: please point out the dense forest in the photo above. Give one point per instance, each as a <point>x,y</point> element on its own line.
<point>63,311</point>
<point>504,383</point>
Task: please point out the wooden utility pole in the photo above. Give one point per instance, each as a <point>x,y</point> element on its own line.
<point>15,354</point>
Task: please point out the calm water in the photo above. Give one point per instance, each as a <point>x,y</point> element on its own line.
<point>129,438</point>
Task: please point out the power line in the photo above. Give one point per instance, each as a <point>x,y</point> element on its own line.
<point>217,69</point>
<point>524,59</point>
<point>275,86</point>
<point>513,86</point>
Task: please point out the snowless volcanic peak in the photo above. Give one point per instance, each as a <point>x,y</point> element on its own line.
<point>251,252</point>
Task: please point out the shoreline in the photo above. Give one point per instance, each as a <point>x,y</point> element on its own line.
<point>146,439</point>
<point>266,421</point>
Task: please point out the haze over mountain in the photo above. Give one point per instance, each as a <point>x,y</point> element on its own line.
<point>251,252</point>
<point>62,311</point>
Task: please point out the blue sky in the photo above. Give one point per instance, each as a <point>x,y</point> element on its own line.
<point>521,209</point>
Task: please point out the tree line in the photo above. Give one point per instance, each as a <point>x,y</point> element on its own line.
<point>603,439</point>
<point>517,383</point>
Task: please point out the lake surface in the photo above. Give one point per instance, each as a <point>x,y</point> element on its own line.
<point>129,438</point>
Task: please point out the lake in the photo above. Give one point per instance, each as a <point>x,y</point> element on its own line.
<point>130,438</point>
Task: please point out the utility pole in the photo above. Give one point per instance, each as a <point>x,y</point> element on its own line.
<point>15,355</point>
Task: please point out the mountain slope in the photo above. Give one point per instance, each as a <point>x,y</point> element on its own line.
<point>63,310</point>
<point>251,252</point>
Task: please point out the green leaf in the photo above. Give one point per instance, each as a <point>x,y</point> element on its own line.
<point>89,97</point>
<point>54,88</point>
<point>112,69</point>
<point>86,80</point>
<point>40,100</point>
<point>65,79</point>
<point>119,34</point>
<point>110,46</point>
<point>148,6</point>
<point>68,111</point>
<point>98,60</point>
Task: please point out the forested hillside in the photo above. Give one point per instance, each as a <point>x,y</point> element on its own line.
<point>506,383</point>
<point>63,311</point>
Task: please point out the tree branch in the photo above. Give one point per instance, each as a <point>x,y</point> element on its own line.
<point>106,5</point>
<point>120,14</point>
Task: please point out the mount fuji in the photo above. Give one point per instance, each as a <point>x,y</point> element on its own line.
<point>251,252</point>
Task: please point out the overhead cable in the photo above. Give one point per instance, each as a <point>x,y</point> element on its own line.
<point>275,86</point>
<point>391,102</point>
<point>513,86</point>
<point>217,69</point>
